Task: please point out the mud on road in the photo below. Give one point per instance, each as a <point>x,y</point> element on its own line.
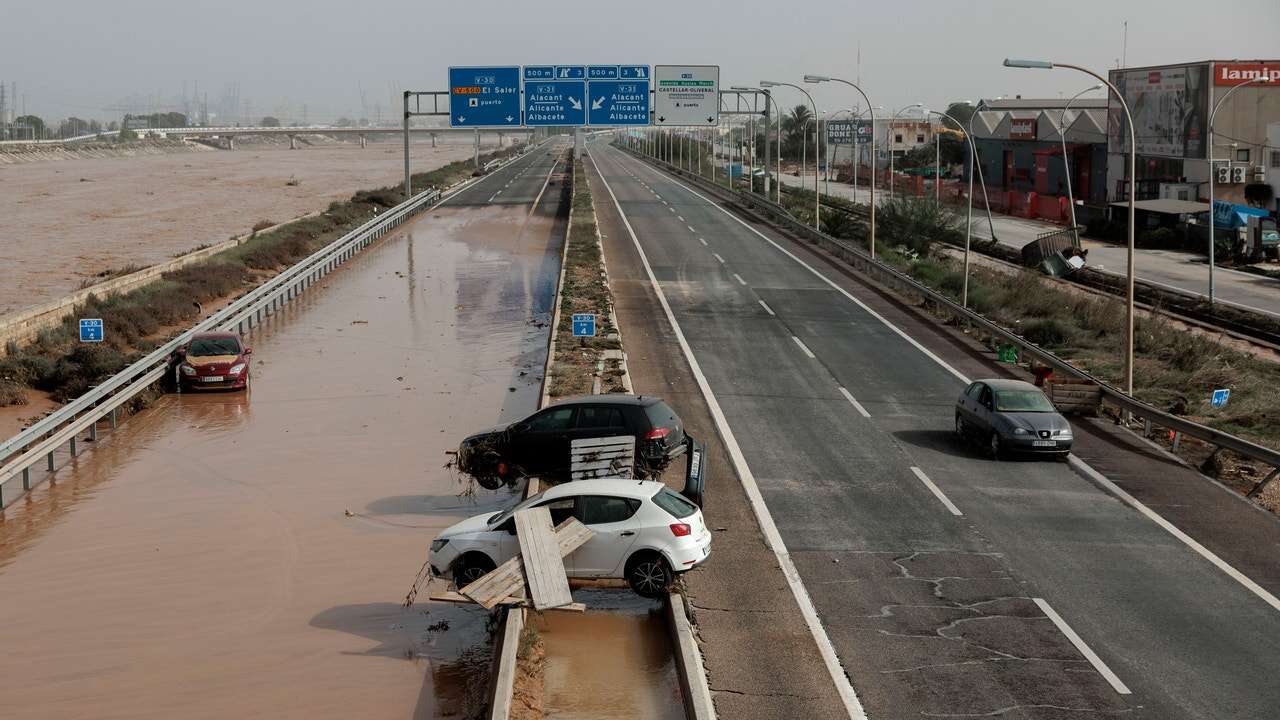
<point>226,555</point>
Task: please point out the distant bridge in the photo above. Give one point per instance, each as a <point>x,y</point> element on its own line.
<point>231,132</point>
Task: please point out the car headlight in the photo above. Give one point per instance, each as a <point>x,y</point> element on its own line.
<point>1063,433</point>
<point>1019,431</point>
<point>236,369</point>
<point>438,544</point>
<point>187,369</point>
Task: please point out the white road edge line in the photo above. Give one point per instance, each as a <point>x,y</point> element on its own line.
<point>738,277</point>
<point>1084,649</point>
<point>718,257</point>
<point>937,491</point>
<point>847,694</point>
<point>766,307</point>
<point>857,405</point>
<point>1085,469</point>
<point>1080,466</point>
<point>804,348</point>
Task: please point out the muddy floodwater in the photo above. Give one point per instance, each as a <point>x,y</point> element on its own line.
<point>84,216</point>
<point>614,662</point>
<point>247,555</point>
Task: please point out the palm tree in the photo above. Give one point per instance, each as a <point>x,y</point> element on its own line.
<point>793,126</point>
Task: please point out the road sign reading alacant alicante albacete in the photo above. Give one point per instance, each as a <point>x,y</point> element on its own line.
<point>555,102</point>
<point>618,102</point>
<point>484,96</point>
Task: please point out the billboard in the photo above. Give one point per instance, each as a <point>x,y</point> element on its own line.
<point>1170,111</point>
<point>1022,128</point>
<point>844,132</point>
<point>1236,73</point>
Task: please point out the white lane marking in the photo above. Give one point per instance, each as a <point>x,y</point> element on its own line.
<point>691,228</point>
<point>937,491</point>
<point>680,218</point>
<point>1074,462</point>
<point>718,257</point>
<point>857,405</point>
<point>738,277</point>
<point>803,347</point>
<point>847,694</point>
<point>704,242</point>
<point>672,209</point>
<point>1082,467</point>
<point>828,281</point>
<point>766,307</point>
<point>1084,649</point>
<point>491,197</point>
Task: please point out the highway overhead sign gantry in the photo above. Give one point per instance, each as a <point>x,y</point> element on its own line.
<point>555,102</point>
<point>618,102</point>
<point>686,95</point>
<point>484,96</point>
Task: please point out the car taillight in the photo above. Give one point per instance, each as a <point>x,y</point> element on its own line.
<point>657,433</point>
<point>502,469</point>
<point>680,529</point>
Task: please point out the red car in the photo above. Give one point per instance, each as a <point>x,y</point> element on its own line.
<point>214,360</point>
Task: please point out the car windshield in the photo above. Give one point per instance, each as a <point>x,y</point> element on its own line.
<point>499,518</point>
<point>1023,401</point>
<point>205,347</point>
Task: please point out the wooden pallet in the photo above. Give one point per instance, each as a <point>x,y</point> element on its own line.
<point>602,457</point>
<point>1081,398</point>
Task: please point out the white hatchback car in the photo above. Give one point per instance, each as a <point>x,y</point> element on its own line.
<point>644,532</point>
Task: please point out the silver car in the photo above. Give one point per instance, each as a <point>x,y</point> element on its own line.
<point>1012,416</point>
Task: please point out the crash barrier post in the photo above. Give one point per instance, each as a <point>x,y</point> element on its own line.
<point>894,278</point>
<point>61,428</point>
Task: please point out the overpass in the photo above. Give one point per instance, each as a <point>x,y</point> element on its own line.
<point>230,132</point>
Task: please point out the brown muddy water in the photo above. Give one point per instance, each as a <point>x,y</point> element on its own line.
<point>614,662</point>
<point>200,562</point>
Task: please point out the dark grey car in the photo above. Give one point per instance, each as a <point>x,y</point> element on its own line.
<point>1011,416</point>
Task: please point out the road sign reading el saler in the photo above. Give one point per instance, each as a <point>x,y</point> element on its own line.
<point>484,96</point>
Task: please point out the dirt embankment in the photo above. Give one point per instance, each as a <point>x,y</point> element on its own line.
<point>78,218</point>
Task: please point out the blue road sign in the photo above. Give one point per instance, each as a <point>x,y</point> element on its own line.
<point>618,102</point>
<point>90,330</point>
<point>555,102</point>
<point>633,72</point>
<point>571,72</point>
<point>602,72</point>
<point>584,325</point>
<point>1219,396</point>
<point>484,96</point>
<point>539,72</point>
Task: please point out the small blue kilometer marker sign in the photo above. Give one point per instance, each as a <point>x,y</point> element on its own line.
<point>584,325</point>
<point>91,330</point>
<point>1219,396</point>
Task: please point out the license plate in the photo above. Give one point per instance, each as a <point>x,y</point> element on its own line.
<point>1045,443</point>
<point>211,378</point>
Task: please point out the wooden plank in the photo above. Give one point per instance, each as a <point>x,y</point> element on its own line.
<point>505,584</point>
<point>604,441</point>
<point>544,571</point>
<point>460,598</point>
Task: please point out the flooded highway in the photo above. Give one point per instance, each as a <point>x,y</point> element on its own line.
<point>235,555</point>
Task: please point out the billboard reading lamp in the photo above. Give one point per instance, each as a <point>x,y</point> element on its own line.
<point>1133,187</point>
<point>817,195</point>
<point>871,109</point>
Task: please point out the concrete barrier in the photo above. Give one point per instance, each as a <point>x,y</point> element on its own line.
<point>698,704</point>
<point>24,325</point>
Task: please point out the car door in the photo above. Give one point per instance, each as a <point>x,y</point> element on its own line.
<point>969,404</point>
<point>540,444</point>
<point>983,409</point>
<point>611,520</point>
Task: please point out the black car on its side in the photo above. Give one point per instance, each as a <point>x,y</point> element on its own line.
<point>539,444</point>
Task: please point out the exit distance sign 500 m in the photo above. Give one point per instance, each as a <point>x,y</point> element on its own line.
<point>686,95</point>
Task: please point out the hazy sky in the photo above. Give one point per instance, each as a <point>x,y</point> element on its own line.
<point>77,57</point>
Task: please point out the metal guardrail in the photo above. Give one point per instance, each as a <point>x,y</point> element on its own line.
<point>862,261</point>
<point>20,452</point>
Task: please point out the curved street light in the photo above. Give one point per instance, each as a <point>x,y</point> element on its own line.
<point>871,109</point>
<point>968,224</point>
<point>817,196</point>
<point>1133,186</point>
<point>1209,154</point>
<point>1066,167</point>
<point>890,146</point>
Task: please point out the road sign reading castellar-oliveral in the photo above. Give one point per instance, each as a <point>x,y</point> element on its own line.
<point>686,95</point>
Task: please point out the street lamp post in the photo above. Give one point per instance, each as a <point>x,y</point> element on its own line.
<point>817,196</point>
<point>968,223</point>
<point>887,142</point>
<point>1133,180</point>
<point>871,109</point>
<point>768,101</point>
<point>1066,167</point>
<point>1209,154</point>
